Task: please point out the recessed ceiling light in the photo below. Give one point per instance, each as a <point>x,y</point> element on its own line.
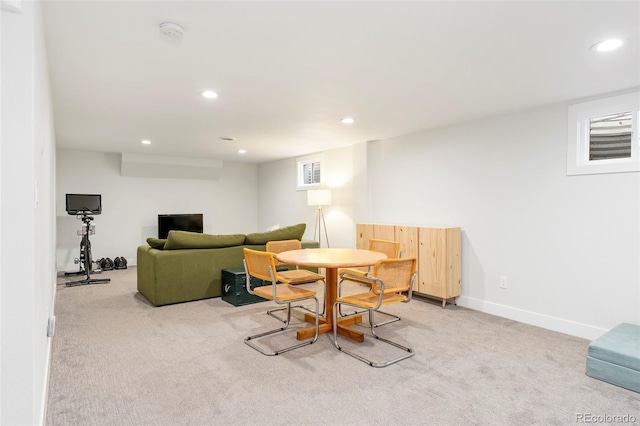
<point>227,138</point>
<point>171,30</point>
<point>209,94</point>
<point>347,120</point>
<point>608,45</point>
<point>242,151</point>
<point>146,142</point>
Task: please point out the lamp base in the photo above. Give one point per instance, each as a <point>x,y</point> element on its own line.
<point>320,223</point>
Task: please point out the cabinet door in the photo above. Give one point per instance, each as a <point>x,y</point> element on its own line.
<point>432,262</point>
<point>454,262</point>
<point>408,238</point>
<point>384,232</point>
<point>439,262</point>
<point>364,232</point>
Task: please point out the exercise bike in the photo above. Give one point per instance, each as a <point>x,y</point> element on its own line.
<point>85,260</point>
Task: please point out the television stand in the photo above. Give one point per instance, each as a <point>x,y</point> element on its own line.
<point>85,260</point>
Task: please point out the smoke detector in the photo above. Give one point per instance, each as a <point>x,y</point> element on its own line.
<point>171,30</point>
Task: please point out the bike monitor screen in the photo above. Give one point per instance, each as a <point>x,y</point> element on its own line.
<point>84,203</point>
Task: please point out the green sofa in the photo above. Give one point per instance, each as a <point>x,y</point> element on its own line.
<point>187,266</point>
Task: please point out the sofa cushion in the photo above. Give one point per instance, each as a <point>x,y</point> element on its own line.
<point>194,240</point>
<point>620,346</point>
<point>615,357</point>
<point>156,243</point>
<point>294,232</point>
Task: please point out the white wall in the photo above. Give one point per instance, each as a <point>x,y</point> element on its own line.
<point>27,273</point>
<point>569,245</point>
<point>281,203</point>
<point>131,204</point>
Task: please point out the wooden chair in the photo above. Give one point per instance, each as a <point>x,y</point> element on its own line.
<point>293,276</point>
<point>388,247</point>
<point>261,265</point>
<point>391,282</point>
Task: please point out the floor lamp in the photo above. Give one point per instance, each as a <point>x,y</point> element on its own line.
<point>319,197</point>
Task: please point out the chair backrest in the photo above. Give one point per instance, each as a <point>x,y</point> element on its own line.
<point>397,274</point>
<point>281,246</point>
<point>390,248</point>
<point>260,264</point>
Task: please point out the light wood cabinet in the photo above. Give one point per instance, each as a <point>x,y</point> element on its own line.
<point>439,263</point>
<point>436,248</point>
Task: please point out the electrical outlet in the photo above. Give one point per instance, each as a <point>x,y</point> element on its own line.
<point>51,326</point>
<point>504,282</point>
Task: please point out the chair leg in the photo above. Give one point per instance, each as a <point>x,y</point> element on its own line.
<point>342,314</point>
<point>285,321</point>
<point>271,312</point>
<point>409,351</point>
<point>250,340</point>
<point>394,318</point>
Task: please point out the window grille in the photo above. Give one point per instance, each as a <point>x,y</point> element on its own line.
<point>610,136</point>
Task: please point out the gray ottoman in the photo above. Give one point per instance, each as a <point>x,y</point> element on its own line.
<point>615,357</point>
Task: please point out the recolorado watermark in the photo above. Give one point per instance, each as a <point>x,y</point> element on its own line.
<point>605,418</point>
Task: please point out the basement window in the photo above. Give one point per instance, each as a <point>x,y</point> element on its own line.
<point>610,136</point>
<point>603,136</point>
<point>309,171</point>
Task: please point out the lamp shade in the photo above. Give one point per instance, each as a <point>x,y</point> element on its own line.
<point>319,197</point>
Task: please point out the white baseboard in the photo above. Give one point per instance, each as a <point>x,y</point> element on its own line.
<point>67,268</point>
<point>561,325</point>
<point>42,413</point>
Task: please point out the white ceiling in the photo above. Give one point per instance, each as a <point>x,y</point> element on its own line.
<point>287,72</point>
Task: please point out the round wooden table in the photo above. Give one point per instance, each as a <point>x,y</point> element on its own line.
<point>331,259</point>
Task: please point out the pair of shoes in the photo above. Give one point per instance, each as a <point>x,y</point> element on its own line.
<point>105,264</point>
<point>120,263</point>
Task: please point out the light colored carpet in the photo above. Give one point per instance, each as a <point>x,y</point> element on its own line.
<point>117,360</point>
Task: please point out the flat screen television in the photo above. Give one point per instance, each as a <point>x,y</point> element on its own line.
<point>84,203</point>
<point>179,222</point>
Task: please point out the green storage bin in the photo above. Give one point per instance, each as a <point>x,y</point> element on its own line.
<point>234,290</point>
